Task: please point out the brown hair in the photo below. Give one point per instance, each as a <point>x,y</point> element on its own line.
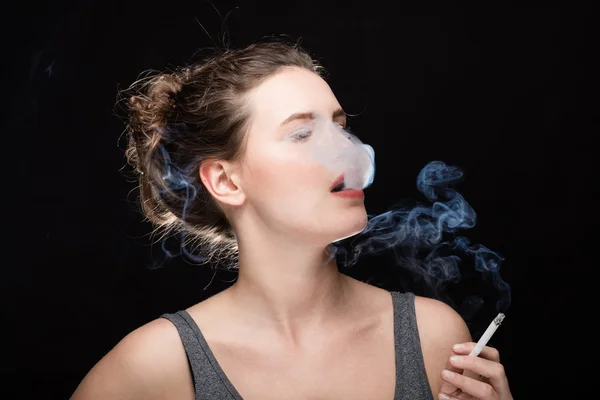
<point>197,112</point>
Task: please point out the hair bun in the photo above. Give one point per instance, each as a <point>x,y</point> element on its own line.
<point>150,108</point>
<point>157,98</point>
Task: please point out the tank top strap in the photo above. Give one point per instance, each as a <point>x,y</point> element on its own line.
<point>210,382</point>
<point>411,377</point>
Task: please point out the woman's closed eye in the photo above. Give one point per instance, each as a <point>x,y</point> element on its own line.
<point>301,135</point>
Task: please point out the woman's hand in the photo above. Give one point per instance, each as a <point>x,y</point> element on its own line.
<point>483,377</point>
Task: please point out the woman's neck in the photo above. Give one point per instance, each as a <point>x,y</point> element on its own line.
<point>293,291</point>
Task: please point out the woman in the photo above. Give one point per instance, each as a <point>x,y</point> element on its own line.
<point>221,153</point>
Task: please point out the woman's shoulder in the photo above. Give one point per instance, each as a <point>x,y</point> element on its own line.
<point>440,327</point>
<point>437,320</point>
<point>149,362</point>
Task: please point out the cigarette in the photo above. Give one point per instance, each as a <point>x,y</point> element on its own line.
<point>487,335</point>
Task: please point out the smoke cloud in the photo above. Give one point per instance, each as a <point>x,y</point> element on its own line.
<point>415,236</point>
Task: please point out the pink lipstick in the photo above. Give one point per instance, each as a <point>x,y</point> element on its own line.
<point>350,194</point>
<point>338,189</point>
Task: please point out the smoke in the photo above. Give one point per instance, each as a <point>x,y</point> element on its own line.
<point>177,183</point>
<point>415,237</point>
<point>340,151</point>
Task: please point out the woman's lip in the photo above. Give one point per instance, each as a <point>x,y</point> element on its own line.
<point>350,194</point>
<point>339,180</point>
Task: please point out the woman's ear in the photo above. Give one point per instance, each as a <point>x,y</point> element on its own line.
<point>221,179</point>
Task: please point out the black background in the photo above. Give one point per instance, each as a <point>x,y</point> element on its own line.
<point>497,92</point>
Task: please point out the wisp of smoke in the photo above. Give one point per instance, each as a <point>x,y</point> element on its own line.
<point>415,235</point>
<point>176,182</point>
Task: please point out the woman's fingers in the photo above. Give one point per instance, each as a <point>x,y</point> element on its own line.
<point>490,369</point>
<point>475,388</point>
<point>489,353</point>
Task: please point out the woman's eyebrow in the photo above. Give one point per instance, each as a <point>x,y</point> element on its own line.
<point>311,115</point>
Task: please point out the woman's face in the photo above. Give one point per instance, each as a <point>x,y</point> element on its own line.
<point>285,185</point>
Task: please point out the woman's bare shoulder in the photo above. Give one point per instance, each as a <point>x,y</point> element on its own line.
<point>148,363</point>
<point>440,327</point>
<point>438,321</point>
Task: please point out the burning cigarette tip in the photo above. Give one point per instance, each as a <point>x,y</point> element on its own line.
<point>498,320</point>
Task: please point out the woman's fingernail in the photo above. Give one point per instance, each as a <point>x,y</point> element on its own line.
<point>447,374</point>
<point>458,347</point>
<point>444,396</point>
<point>456,359</point>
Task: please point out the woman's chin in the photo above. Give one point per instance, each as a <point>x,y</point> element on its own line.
<point>353,230</point>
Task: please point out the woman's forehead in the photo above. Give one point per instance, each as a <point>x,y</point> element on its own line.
<point>291,92</point>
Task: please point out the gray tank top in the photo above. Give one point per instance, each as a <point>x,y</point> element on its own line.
<point>210,382</point>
